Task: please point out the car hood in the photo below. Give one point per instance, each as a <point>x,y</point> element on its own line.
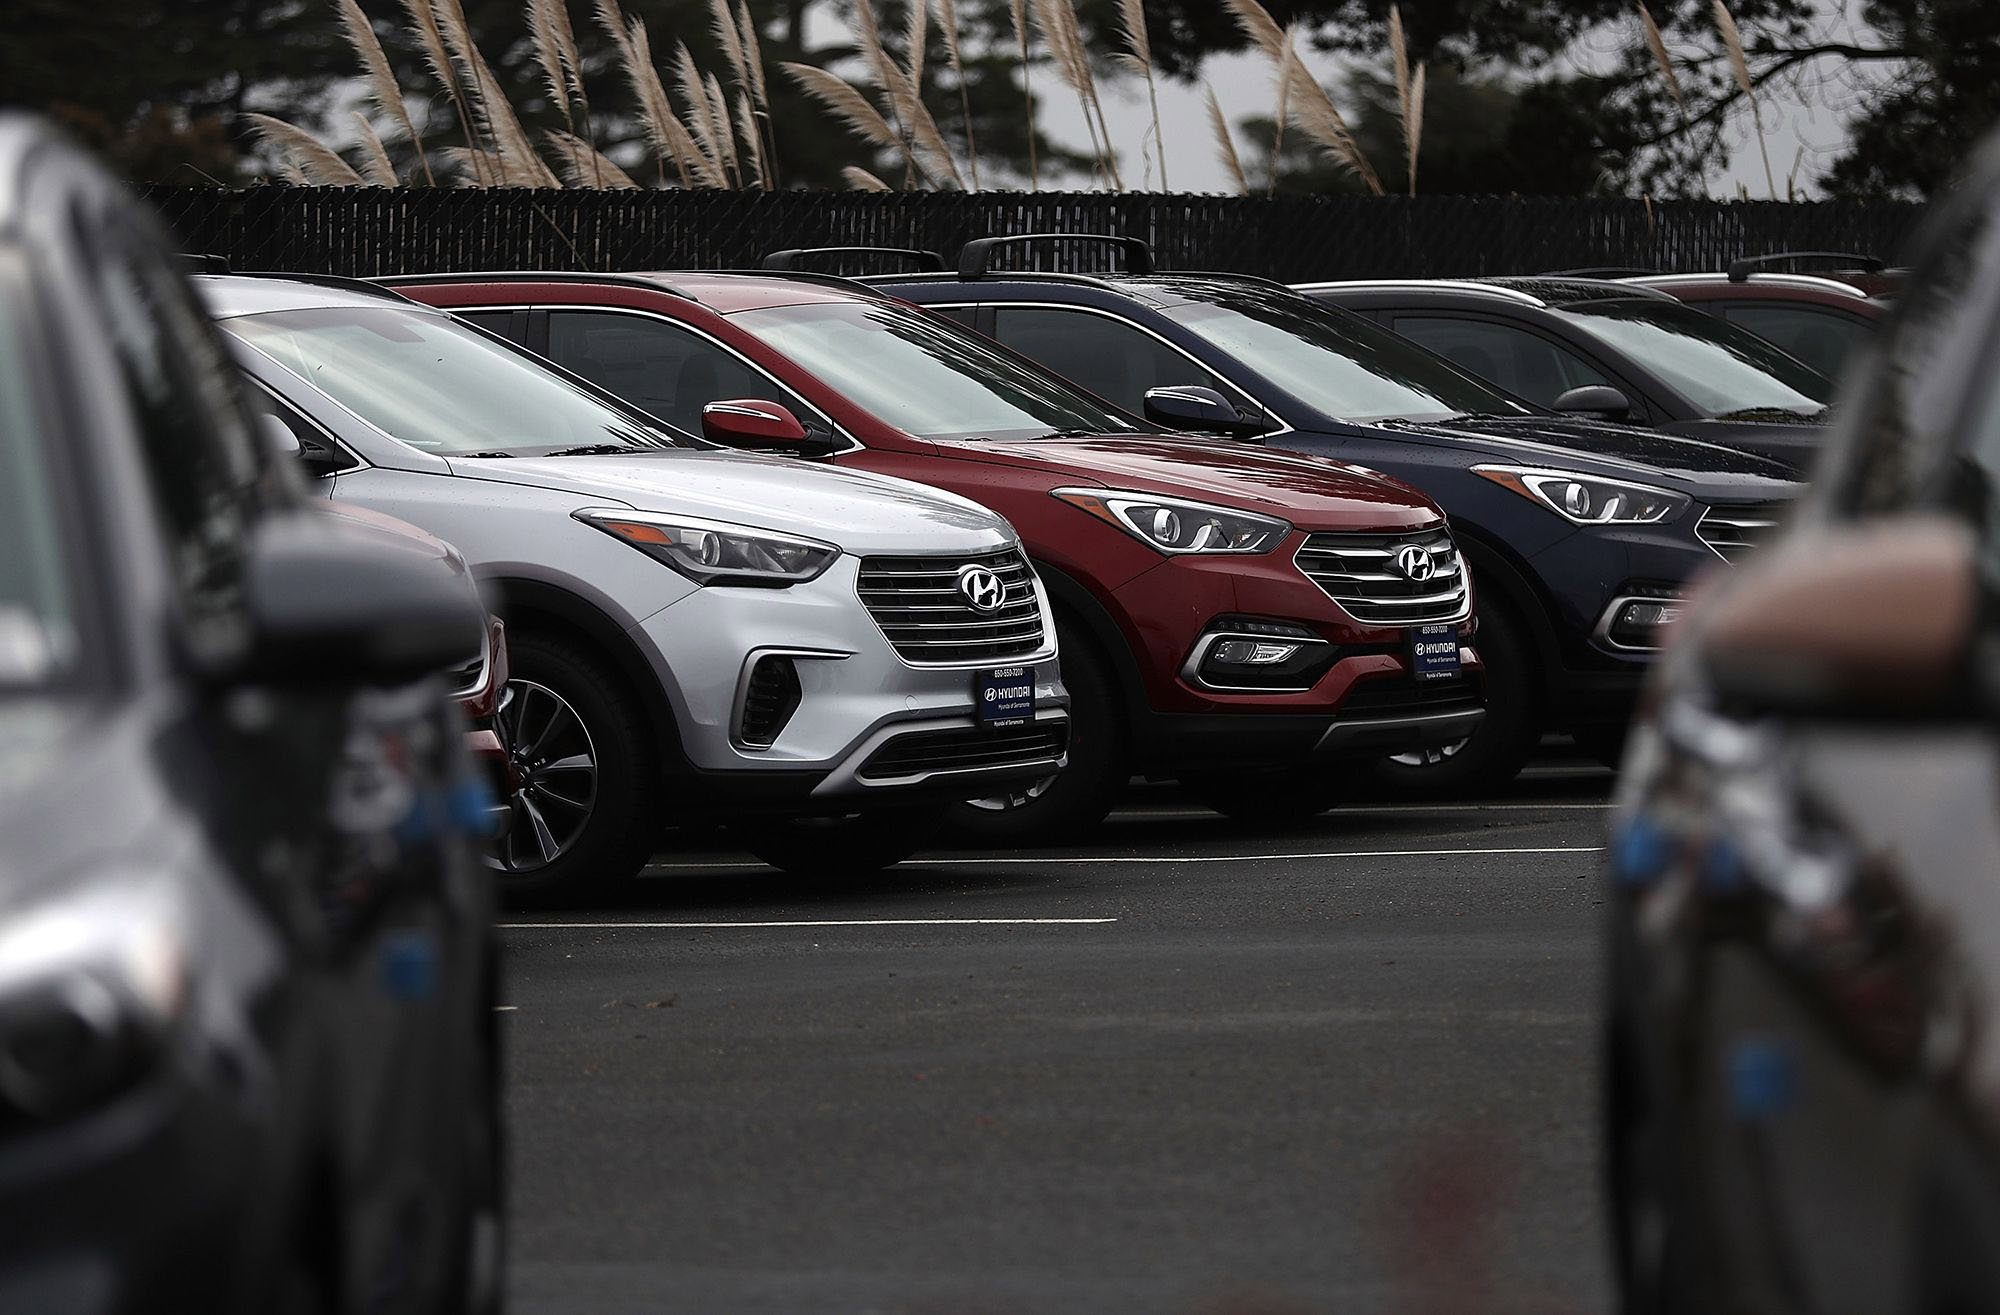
<point>856,511</point>
<point>1310,492</point>
<point>1701,469</point>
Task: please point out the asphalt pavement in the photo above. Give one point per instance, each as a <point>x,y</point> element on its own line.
<point>1188,1068</point>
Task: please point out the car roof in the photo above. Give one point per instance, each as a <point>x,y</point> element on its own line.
<point>1716,278</point>
<point>723,291</point>
<point>1524,289</point>
<point>1161,288</point>
<point>229,295</point>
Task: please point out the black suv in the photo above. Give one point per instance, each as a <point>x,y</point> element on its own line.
<point>1581,534</point>
<point>1619,351</point>
<point>246,963</point>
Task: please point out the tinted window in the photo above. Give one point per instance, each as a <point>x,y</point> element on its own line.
<point>1337,363</point>
<point>38,630</point>
<point>658,367</point>
<point>1115,360</point>
<point>1519,360</point>
<point>1725,371</point>
<point>193,433</point>
<point>1820,338</point>
<point>493,321</point>
<point>927,376</point>
<point>439,386</point>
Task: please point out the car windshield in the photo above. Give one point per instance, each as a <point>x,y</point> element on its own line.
<point>1727,372</point>
<point>927,376</point>
<point>1338,364</point>
<point>442,387</point>
<point>38,632</point>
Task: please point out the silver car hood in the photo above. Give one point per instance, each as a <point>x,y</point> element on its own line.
<point>857,511</point>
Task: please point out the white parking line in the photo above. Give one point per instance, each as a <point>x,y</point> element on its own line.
<point>827,922</point>
<point>975,860</point>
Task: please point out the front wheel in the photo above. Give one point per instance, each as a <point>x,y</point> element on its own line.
<point>1506,736</point>
<point>1074,800</point>
<point>854,845</point>
<point>581,793</point>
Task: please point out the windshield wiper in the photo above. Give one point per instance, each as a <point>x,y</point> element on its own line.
<point>1073,433</point>
<point>482,454</point>
<point>591,450</point>
<point>1778,414</point>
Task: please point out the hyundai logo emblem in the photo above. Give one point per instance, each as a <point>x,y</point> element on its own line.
<point>983,589</point>
<point>1415,563</point>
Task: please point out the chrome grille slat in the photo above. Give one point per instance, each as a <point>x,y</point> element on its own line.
<point>1734,532</point>
<point>1347,568</point>
<point>916,604</point>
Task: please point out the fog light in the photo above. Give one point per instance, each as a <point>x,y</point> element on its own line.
<point>1643,623</point>
<point>1251,653</point>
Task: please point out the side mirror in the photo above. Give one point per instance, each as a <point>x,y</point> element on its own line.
<point>1595,400</point>
<point>336,603</point>
<point>280,440</point>
<point>1874,623</point>
<point>761,426</point>
<point>1201,409</point>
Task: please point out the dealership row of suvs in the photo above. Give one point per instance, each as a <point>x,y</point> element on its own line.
<point>838,564</point>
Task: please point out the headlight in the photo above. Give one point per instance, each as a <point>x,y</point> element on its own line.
<point>1588,499</point>
<point>1174,525</point>
<point>712,552</point>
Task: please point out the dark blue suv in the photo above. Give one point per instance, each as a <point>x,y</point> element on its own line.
<point>1582,534</point>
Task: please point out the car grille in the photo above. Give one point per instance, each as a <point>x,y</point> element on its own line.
<point>1401,696</point>
<point>1359,572</point>
<point>967,748</point>
<point>917,603</point>
<point>1734,531</point>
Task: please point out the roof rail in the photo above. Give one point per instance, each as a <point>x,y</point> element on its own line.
<point>204,264</point>
<point>1742,268</point>
<point>1494,290</point>
<point>538,276</point>
<point>1599,272</point>
<point>975,258</point>
<point>787,261</point>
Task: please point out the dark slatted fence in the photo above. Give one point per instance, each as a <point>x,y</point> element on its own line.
<point>360,231</point>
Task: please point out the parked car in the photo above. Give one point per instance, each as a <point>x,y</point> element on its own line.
<point>1581,535</point>
<point>1617,351</point>
<point>1801,1110</point>
<point>1252,623</point>
<point>1817,318</point>
<point>826,657</point>
<point>246,961</point>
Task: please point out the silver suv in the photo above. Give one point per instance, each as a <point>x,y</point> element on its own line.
<point>695,633</point>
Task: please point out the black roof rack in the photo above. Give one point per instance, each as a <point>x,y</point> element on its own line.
<point>975,257</point>
<point>1741,269</point>
<point>202,262</point>
<point>540,276</point>
<point>1599,272</point>
<point>787,261</point>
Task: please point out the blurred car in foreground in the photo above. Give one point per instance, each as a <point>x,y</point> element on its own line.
<point>1580,535</point>
<point>1618,351</point>
<point>1803,1059</point>
<point>829,658</point>
<point>1819,318</point>
<point>1242,621</point>
<point>246,962</point>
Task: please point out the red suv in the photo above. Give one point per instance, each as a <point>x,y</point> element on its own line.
<point>1819,317</point>
<point>1237,619</point>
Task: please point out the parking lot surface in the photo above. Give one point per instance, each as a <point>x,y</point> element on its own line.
<point>1189,1067</point>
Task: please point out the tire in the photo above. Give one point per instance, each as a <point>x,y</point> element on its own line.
<point>597,824</point>
<point>1269,798</point>
<point>1496,751</point>
<point>1076,799</point>
<point>843,846</point>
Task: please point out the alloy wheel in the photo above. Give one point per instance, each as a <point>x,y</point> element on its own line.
<point>552,770</point>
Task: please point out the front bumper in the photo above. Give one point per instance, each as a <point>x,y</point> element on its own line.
<point>856,700</point>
